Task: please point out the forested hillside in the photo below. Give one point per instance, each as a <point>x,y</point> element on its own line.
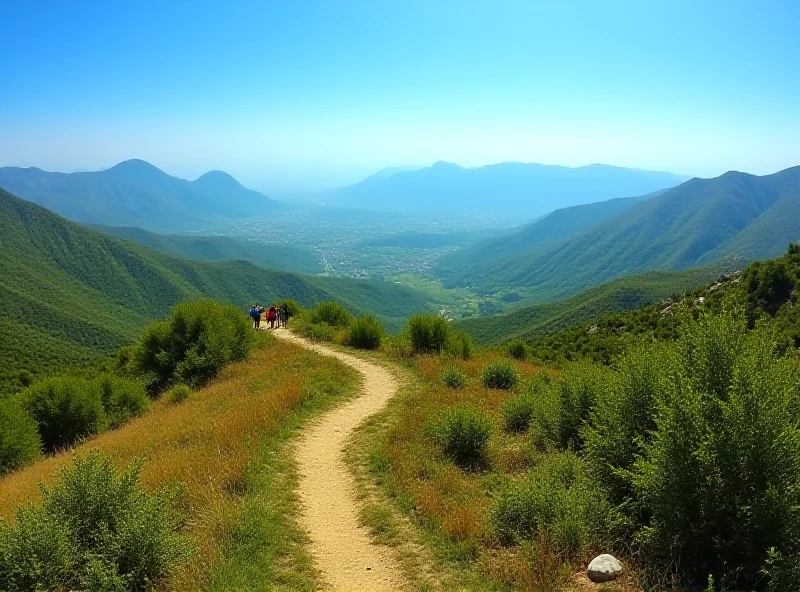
<point>221,248</point>
<point>701,221</point>
<point>70,293</point>
<point>615,296</point>
<point>135,193</point>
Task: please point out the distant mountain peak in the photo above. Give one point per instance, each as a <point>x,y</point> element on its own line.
<point>443,164</point>
<point>218,179</point>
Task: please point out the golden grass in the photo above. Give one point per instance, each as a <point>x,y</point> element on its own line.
<point>204,443</point>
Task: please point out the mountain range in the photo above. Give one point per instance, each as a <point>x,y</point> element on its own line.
<point>527,188</point>
<point>702,221</point>
<point>70,294</point>
<point>136,193</point>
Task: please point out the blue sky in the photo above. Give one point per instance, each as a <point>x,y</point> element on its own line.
<point>299,95</point>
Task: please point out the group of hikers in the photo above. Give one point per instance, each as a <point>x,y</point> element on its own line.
<point>277,316</point>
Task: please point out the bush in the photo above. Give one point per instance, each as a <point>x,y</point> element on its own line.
<point>95,529</point>
<point>518,350</point>
<point>557,498</point>
<point>193,344</point>
<point>500,374</point>
<point>518,412</point>
<point>462,434</point>
<point>122,398</point>
<point>317,332</point>
<point>19,438</point>
<point>178,394</point>
<point>65,410</point>
<point>454,377</point>
<point>428,333</point>
<point>366,332</point>
<point>294,307</point>
<point>459,344</point>
<point>330,313</point>
<point>577,389</point>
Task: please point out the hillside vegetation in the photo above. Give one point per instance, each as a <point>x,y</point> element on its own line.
<point>221,248</point>
<point>701,221</point>
<point>70,294</point>
<point>135,193</point>
<point>617,295</point>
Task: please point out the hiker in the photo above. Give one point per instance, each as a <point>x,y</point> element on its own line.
<point>255,314</point>
<point>284,314</point>
<point>272,314</point>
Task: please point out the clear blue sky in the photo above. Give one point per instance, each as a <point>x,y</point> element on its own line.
<point>295,95</point>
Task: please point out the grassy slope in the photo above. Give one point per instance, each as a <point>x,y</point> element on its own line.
<point>220,248</point>
<point>72,291</point>
<point>617,295</point>
<point>219,443</point>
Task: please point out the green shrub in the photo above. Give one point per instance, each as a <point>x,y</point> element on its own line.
<point>557,497</point>
<point>65,409</point>
<point>459,344</point>
<point>500,374</point>
<point>330,313</point>
<point>624,416</point>
<point>517,349</point>
<point>94,526</point>
<point>19,436</point>
<point>518,412</point>
<point>193,344</point>
<point>428,333</point>
<point>462,434</point>
<point>454,377</point>
<point>122,398</point>
<point>178,394</point>
<point>366,332</point>
<point>578,389</point>
<point>317,332</point>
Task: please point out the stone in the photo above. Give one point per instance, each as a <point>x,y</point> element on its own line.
<point>604,568</point>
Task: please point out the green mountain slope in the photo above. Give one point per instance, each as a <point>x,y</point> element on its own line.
<point>695,223</point>
<point>556,226</point>
<point>135,193</point>
<point>220,248</point>
<point>69,292</point>
<point>617,295</point>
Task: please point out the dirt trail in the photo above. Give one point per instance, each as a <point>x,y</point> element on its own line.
<point>342,549</point>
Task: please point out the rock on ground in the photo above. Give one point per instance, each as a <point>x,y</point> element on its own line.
<point>604,568</point>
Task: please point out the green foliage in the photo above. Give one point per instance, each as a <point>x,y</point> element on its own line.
<point>459,344</point>
<point>462,434</point>
<point>317,332</point>
<point>178,393</point>
<point>558,498</point>
<point>518,412</point>
<point>293,306</point>
<point>193,344</point>
<point>65,409</point>
<point>366,332</point>
<point>454,377</point>
<point>19,437</point>
<point>517,349</point>
<point>122,398</point>
<point>500,374</point>
<point>577,391</point>
<point>330,313</point>
<point>95,529</point>
<point>428,333</point>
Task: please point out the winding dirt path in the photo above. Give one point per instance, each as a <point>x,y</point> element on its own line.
<point>341,548</point>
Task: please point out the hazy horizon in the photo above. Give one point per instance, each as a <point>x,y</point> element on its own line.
<point>313,95</point>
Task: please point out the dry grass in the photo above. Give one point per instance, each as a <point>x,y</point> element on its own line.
<point>204,443</point>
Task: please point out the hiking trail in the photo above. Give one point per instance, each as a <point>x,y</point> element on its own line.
<point>340,546</point>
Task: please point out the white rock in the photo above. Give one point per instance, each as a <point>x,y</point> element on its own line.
<point>604,568</point>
